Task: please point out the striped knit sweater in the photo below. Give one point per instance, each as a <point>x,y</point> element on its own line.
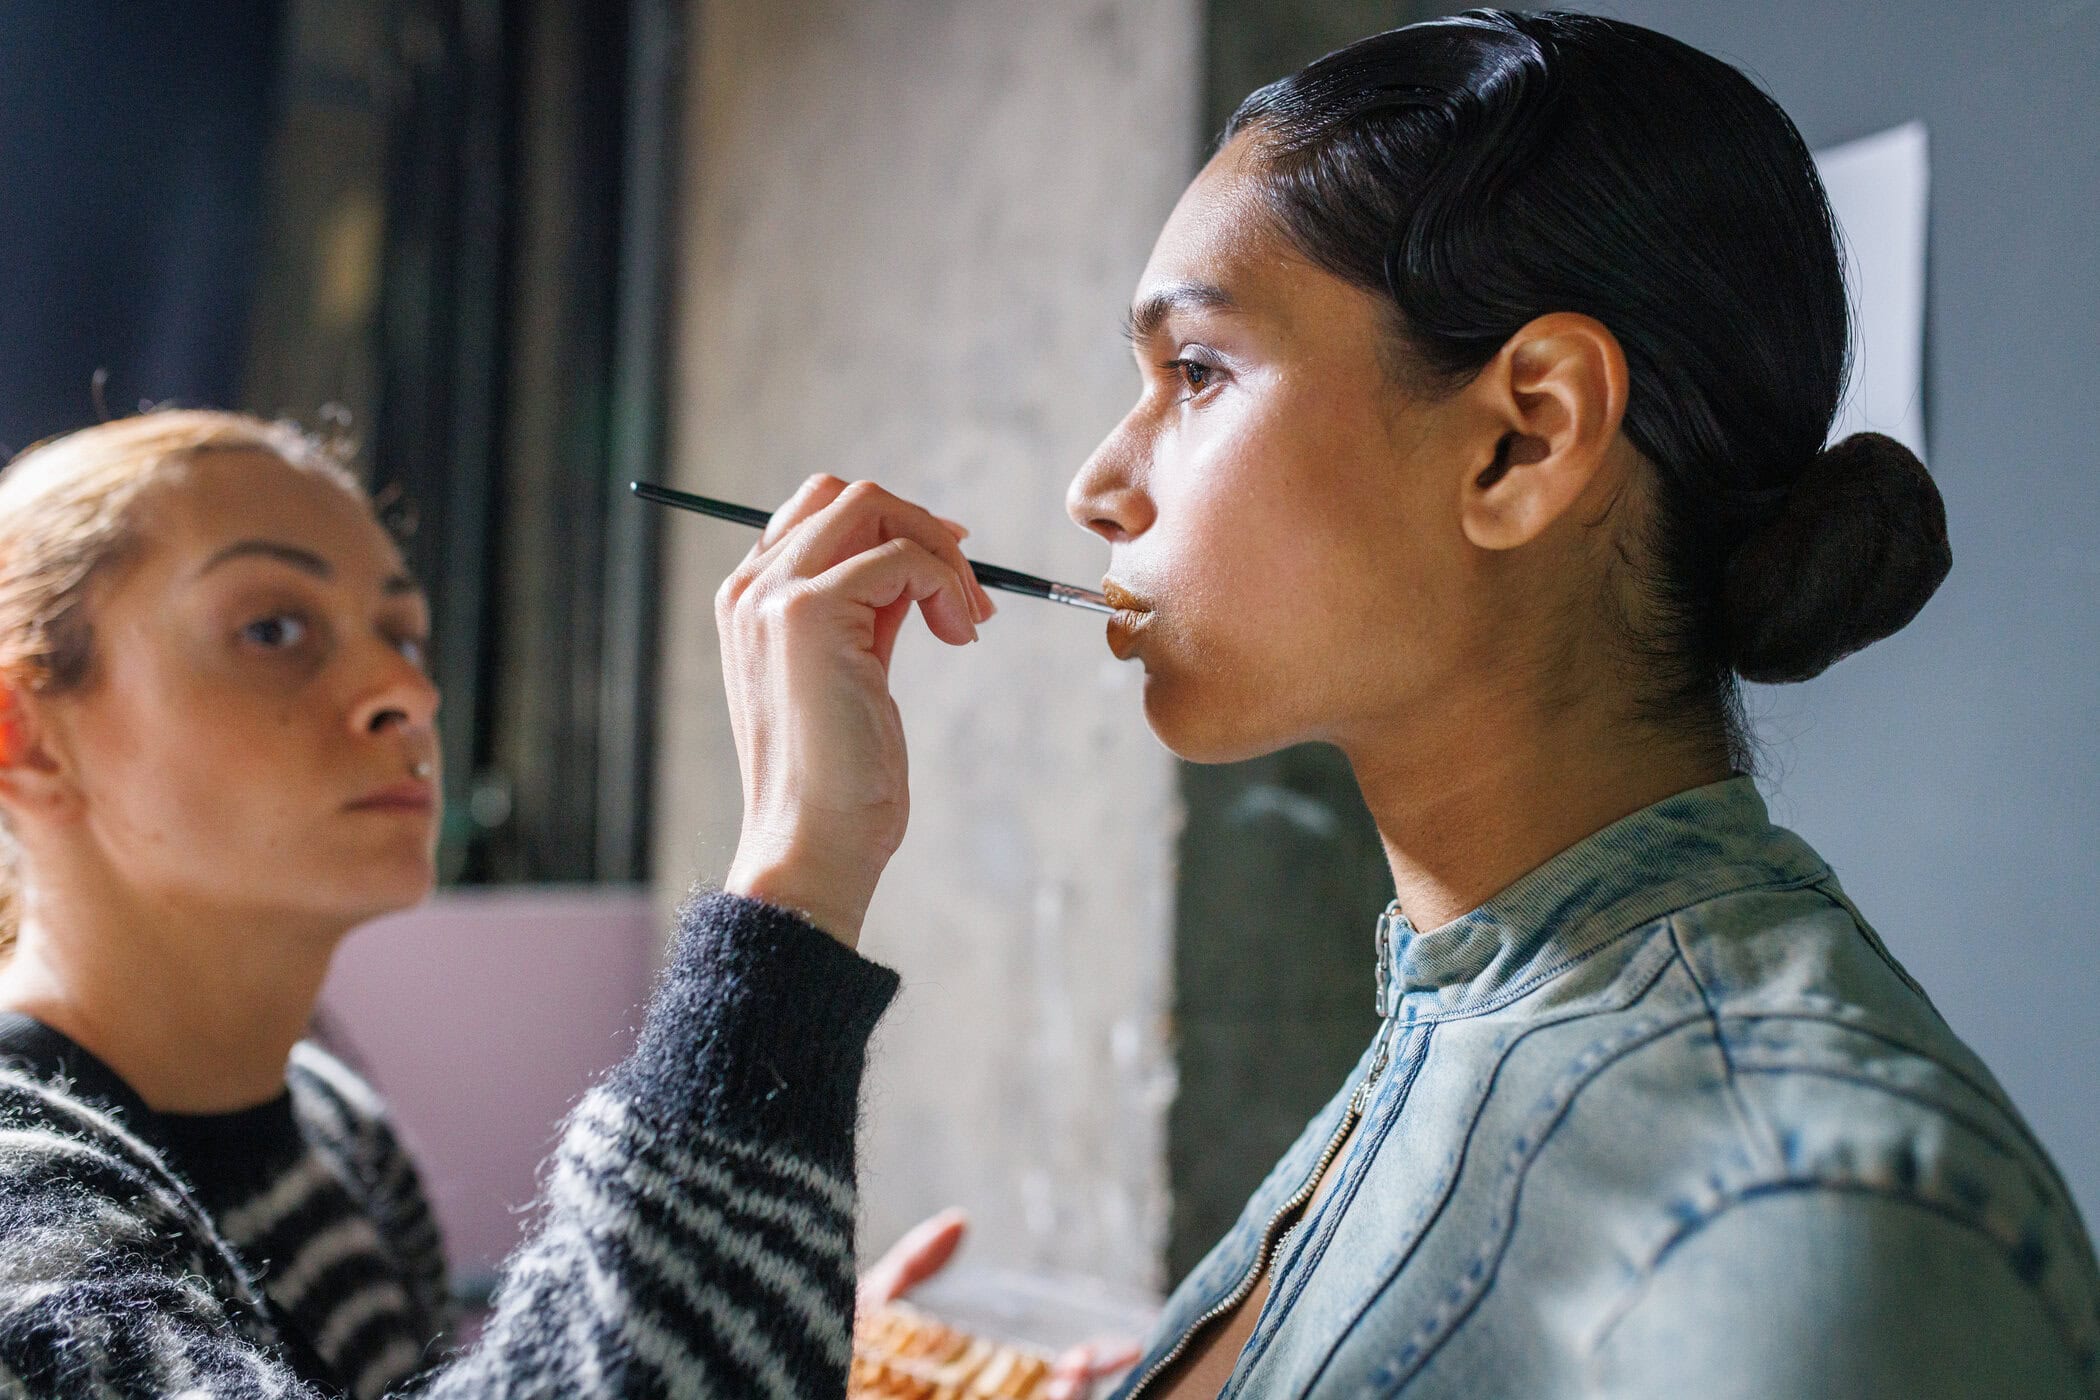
<point>313,1190</point>
<point>694,1238</point>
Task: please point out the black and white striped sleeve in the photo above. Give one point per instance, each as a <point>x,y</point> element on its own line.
<point>696,1228</point>
<point>697,1237</point>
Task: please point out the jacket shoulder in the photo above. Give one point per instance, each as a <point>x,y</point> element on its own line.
<point>1807,1063</point>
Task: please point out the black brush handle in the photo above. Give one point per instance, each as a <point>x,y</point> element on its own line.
<point>990,575</point>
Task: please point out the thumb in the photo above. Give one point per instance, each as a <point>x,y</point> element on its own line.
<point>1071,1376</point>
<point>923,1252</point>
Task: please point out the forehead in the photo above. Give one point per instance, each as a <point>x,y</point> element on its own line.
<point>217,497</point>
<point>1219,218</point>
<point>1222,234</point>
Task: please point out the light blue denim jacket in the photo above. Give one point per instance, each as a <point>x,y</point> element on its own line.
<point>1662,1119</point>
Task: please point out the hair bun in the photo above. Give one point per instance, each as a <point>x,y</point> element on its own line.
<point>1857,548</point>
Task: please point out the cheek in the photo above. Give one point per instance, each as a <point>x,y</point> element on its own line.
<point>1267,537</point>
<point>1241,660</point>
<point>1298,579</point>
<point>189,770</point>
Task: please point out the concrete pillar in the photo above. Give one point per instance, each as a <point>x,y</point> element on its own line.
<point>911,230</point>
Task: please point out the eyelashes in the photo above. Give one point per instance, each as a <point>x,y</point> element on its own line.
<point>277,632</point>
<point>1198,373</point>
<point>285,632</point>
<point>1196,376</point>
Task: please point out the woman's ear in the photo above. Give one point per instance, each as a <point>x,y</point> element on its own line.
<point>31,776</point>
<point>1554,394</point>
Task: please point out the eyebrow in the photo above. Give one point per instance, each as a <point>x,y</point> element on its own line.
<point>304,560</point>
<point>1148,315</point>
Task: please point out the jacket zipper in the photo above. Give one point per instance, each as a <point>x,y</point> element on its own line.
<point>1381,1055</point>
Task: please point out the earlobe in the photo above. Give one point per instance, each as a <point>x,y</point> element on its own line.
<point>1555,395</point>
<point>10,729</point>
<point>29,775</point>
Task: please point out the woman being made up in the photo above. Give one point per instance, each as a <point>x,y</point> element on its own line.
<point>1486,371</point>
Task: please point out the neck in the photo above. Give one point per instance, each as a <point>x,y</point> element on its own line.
<point>1530,785</point>
<point>196,1009</point>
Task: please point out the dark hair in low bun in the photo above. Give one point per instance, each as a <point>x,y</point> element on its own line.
<point>1487,169</point>
<point>1858,546</point>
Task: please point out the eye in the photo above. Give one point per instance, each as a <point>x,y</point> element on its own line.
<point>414,648</point>
<point>1197,375</point>
<point>277,632</point>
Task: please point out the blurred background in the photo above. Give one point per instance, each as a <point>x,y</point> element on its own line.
<point>529,250</point>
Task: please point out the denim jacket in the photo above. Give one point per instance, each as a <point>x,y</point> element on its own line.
<point>1662,1119</point>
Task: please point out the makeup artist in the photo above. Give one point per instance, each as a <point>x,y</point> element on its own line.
<point>1486,371</point>
<point>217,756</point>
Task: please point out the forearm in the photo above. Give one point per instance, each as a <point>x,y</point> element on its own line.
<point>699,1211</point>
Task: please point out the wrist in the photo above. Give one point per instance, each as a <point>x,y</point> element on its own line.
<point>836,903</point>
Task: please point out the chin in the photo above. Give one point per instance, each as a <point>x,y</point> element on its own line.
<point>1203,729</point>
<point>381,889</point>
<point>406,897</point>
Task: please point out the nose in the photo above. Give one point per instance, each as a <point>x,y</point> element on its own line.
<point>1108,495</point>
<point>398,696</point>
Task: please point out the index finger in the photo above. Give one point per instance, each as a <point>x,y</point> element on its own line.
<point>842,529</point>
<point>813,495</point>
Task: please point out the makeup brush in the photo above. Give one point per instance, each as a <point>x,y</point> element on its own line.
<point>990,575</point>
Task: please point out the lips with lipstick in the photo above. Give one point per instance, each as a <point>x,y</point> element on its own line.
<point>1132,612</point>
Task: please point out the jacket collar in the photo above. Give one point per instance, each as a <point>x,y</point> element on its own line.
<point>1684,849</point>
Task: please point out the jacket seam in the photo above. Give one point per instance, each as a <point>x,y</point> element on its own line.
<point>1261,1207</point>
<point>1396,1095</point>
<point>1487,1260</point>
<point>1974,1125</point>
<point>1751,1123</point>
<point>1982,1090</point>
<point>1830,891</point>
<point>1547,974</point>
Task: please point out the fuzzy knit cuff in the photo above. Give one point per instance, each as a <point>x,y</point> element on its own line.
<point>759,1026</point>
